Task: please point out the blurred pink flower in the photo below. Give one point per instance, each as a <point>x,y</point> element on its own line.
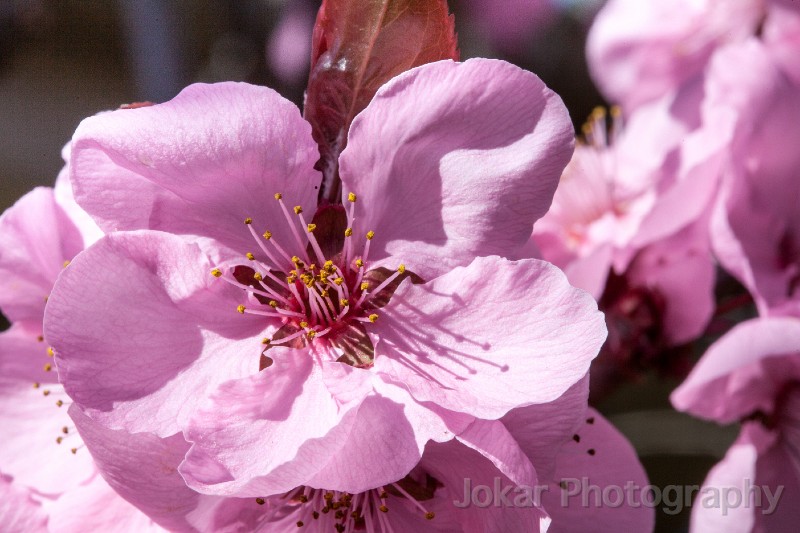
<point>65,492</point>
<point>358,369</point>
<point>751,375</point>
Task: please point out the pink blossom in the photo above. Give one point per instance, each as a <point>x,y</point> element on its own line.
<point>437,330</point>
<point>561,439</point>
<point>640,51</point>
<point>755,226</point>
<point>653,277</point>
<point>750,375</point>
<point>41,456</point>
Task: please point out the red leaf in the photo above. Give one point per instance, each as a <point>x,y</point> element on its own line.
<point>358,45</point>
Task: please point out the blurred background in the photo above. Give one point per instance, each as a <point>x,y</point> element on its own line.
<point>63,60</point>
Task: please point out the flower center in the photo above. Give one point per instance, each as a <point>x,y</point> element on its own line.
<point>344,512</point>
<point>321,302</point>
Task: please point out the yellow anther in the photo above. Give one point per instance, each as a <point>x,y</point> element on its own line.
<point>50,352</point>
<point>65,430</point>
<point>324,293</point>
<point>364,285</point>
<point>40,338</point>
<point>343,302</point>
<point>430,515</point>
<point>616,111</point>
<point>328,265</point>
<point>304,324</point>
<point>250,256</point>
<point>311,334</point>
<point>293,272</point>
<point>59,403</point>
<point>36,385</point>
<point>248,221</point>
<point>59,440</point>
<point>401,268</point>
<point>298,209</point>
<point>348,232</point>
<point>359,263</point>
<point>383,509</point>
<point>265,341</point>
<point>291,279</point>
<point>295,259</point>
<point>73,450</point>
<point>311,228</point>
<point>599,112</point>
<point>241,308</point>
<point>273,304</point>
<point>373,318</point>
<point>278,196</point>
<point>46,392</point>
<point>351,197</point>
<point>370,235</point>
<point>312,267</point>
<point>48,367</point>
<point>267,235</point>
<point>339,281</point>
<point>257,276</point>
<point>260,501</point>
<point>216,272</point>
<point>66,263</point>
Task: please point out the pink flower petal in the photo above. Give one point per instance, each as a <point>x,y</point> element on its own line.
<point>23,357</point>
<point>143,333</point>
<point>453,160</point>
<point>96,507</point>
<point>20,511</point>
<point>36,238</point>
<point>540,430</point>
<point>490,337</point>
<point>198,164</point>
<point>30,453</point>
<point>142,468</point>
<point>604,458</point>
<point>741,372</point>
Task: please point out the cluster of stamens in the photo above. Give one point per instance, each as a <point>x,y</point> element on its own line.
<point>313,294</point>
<point>341,511</point>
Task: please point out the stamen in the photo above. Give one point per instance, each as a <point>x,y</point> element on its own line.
<point>310,234</point>
<point>293,226</point>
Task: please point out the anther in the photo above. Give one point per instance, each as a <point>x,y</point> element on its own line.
<point>278,196</point>
<point>430,515</point>
<point>50,352</point>
<point>265,341</point>
<point>364,286</point>
<point>216,272</point>
<point>304,324</point>
<point>311,228</point>
<point>373,318</point>
<point>248,221</point>
<point>48,367</point>
<point>267,235</point>
<point>359,263</point>
<point>46,392</point>
<point>260,501</point>
<point>370,235</point>
<point>401,268</point>
<point>257,276</point>
<point>383,509</point>
<point>36,385</point>
<point>66,263</point>
<point>311,334</point>
<point>40,338</point>
<point>59,403</point>
<point>74,450</point>
<point>351,197</point>
<point>343,302</point>
<point>298,209</point>
<point>241,308</point>
<point>339,281</point>
<point>250,256</point>
<point>65,430</point>
<point>273,304</point>
<point>348,232</point>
